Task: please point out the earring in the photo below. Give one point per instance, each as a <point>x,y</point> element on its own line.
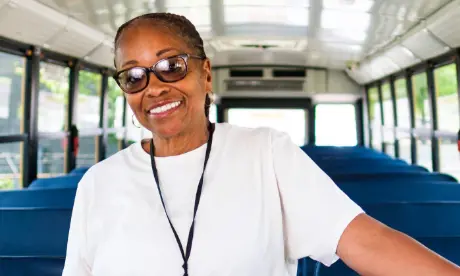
<point>132,121</point>
<point>210,98</point>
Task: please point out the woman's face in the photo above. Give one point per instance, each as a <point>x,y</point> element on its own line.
<point>144,45</point>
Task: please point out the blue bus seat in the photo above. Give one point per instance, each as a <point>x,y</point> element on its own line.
<point>68,181</point>
<point>34,231</point>
<point>359,162</point>
<point>381,192</point>
<point>52,198</point>
<point>31,266</point>
<point>79,171</point>
<point>373,169</point>
<point>392,176</point>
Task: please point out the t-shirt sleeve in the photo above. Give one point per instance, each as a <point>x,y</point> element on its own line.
<point>315,211</point>
<point>75,263</point>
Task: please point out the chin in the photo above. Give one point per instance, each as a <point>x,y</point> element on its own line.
<point>168,130</point>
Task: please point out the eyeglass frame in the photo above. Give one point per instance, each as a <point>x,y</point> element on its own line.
<point>151,69</point>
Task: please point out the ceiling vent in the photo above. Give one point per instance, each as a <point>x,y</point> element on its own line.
<point>265,85</point>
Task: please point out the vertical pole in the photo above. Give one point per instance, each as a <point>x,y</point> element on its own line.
<point>71,161</point>
<point>395,115</point>
<point>30,122</point>
<point>411,100</point>
<point>434,118</point>
<point>382,119</point>
<point>369,121</point>
<point>102,139</point>
<point>359,106</point>
<point>311,124</point>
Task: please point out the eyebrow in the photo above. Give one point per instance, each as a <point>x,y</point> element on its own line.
<point>159,53</point>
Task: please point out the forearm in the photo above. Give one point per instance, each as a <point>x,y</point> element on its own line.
<point>382,251</point>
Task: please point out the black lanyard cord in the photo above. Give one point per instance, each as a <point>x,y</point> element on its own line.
<point>186,255</point>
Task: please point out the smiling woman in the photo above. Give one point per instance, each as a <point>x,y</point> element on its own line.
<point>214,199</point>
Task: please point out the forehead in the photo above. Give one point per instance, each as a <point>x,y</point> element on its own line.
<point>142,42</point>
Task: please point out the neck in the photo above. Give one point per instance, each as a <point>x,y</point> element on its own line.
<point>181,143</point>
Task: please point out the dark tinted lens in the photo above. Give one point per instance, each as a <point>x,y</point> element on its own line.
<point>133,80</point>
<point>172,69</point>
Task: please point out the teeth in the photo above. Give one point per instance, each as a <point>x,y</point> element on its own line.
<point>164,108</point>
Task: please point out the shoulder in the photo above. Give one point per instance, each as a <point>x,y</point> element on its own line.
<point>262,136</point>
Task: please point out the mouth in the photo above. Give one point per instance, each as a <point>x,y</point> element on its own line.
<point>164,110</point>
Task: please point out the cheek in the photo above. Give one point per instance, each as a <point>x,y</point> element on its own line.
<point>134,102</point>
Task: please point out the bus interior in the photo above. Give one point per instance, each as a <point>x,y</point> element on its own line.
<point>369,89</point>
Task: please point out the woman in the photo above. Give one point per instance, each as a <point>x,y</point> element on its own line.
<point>204,199</point>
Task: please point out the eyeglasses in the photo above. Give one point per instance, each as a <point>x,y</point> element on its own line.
<point>167,70</point>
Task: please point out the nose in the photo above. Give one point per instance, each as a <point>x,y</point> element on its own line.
<point>155,87</point>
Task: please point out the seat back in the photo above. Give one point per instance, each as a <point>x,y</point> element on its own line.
<point>374,169</point>
<point>37,232</point>
<point>79,171</point>
<point>51,198</point>
<point>31,266</point>
<point>409,192</point>
<point>392,176</point>
<point>68,181</point>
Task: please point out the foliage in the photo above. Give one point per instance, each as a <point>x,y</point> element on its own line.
<point>446,80</point>
<point>401,89</point>
<point>89,83</point>
<point>6,184</point>
<point>113,93</point>
<point>373,100</point>
<point>420,88</point>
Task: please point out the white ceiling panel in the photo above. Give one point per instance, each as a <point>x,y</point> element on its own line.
<point>385,65</point>
<point>324,33</point>
<point>271,3</point>
<point>356,6</point>
<point>102,54</point>
<point>445,27</point>
<point>342,36</point>
<point>76,39</point>
<point>356,75</point>
<point>423,45</point>
<point>293,16</point>
<point>29,21</point>
<point>401,56</point>
<point>335,19</point>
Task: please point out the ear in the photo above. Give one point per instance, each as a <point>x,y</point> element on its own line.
<point>207,74</point>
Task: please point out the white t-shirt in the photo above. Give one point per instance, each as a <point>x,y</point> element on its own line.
<point>264,205</point>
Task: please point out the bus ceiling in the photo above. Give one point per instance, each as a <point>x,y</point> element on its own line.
<point>369,39</point>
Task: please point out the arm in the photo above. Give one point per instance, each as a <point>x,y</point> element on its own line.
<point>371,248</point>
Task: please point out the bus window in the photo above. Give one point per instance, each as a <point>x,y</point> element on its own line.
<point>445,79</point>
<point>52,114</point>
<point>403,133</point>
<point>11,114</point>
<point>10,166</point>
<point>375,117</point>
<point>88,107</point>
<point>335,125</point>
<point>11,92</point>
<point>388,119</point>
<point>291,121</point>
<point>114,117</point>
<point>422,120</point>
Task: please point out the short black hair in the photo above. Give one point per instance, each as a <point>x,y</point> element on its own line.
<point>180,25</point>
